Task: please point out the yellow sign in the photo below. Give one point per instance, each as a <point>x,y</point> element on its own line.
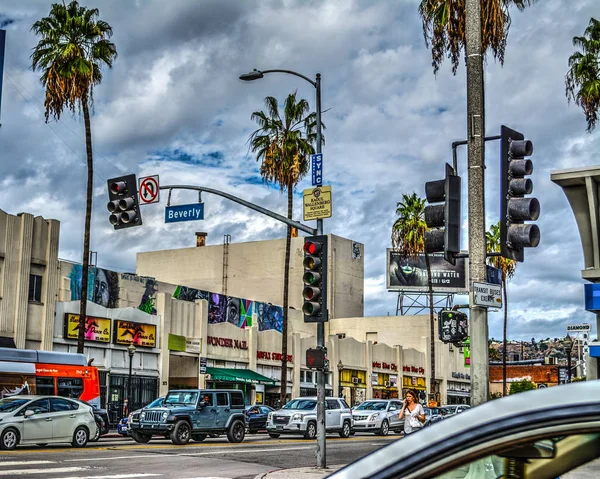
<point>96,329</point>
<point>140,334</point>
<point>317,203</point>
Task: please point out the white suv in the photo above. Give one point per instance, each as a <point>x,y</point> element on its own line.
<point>299,416</point>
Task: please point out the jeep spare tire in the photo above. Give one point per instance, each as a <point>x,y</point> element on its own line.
<point>236,431</point>
<point>181,433</point>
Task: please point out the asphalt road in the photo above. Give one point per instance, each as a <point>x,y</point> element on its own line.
<point>120,458</point>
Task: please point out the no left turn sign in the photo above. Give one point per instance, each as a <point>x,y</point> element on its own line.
<point>148,189</point>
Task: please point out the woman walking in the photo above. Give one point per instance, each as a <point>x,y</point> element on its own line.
<point>412,412</point>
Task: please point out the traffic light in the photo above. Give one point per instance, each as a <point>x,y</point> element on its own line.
<point>452,326</point>
<point>123,206</point>
<point>315,279</point>
<point>515,209</point>
<point>316,358</point>
<point>444,218</point>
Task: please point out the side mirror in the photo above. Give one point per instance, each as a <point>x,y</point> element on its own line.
<point>201,405</point>
<point>29,413</point>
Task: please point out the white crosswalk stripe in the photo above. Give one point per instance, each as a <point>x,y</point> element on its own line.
<point>8,468</point>
<point>47,471</point>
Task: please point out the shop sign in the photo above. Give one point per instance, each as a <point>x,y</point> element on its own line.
<point>456,375</point>
<point>227,342</point>
<point>140,334</point>
<point>413,369</point>
<point>413,382</point>
<point>193,345</point>
<point>96,329</point>
<point>272,356</point>
<point>203,362</point>
<point>384,365</point>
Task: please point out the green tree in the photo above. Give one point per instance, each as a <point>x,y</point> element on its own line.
<point>444,28</point>
<point>507,266</point>
<point>283,146</point>
<point>73,47</point>
<point>520,386</point>
<point>582,82</point>
<point>408,239</point>
<point>493,354</point>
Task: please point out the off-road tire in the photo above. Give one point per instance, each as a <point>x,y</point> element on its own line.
<point>311,430</point>
<point>181,433</point>
<point>141,438</point>
<point>236,431</point>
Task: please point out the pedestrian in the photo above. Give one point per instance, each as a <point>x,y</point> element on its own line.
<point>412,412</point>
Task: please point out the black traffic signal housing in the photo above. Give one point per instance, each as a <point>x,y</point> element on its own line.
<point>123,202</point>
<point>515,208</point>
<point>444,219</point>
<point>314,292</point>
<point>452,326</point>
<point>316,358</point>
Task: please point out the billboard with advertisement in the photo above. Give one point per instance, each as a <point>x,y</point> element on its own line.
<point>410,274</point>
<point>140,334</point>
<point>96,329</point>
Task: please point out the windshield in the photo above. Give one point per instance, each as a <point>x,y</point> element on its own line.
<point>156,403</point>
<point>181,397</point>
<point>12,404</point>
<point>304,404</point>
<point>372,406</point>
<point>448,410</point>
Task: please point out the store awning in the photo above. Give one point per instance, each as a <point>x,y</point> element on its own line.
<point>238,376</point>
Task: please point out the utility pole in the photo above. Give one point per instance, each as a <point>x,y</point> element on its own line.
<point>476,163</point>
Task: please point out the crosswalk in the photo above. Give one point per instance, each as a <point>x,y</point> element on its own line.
<point>43,469</point>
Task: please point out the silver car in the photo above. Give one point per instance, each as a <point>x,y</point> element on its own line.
<point>299,416</point>
<point>43,420</point>
<point>379,416</point>
<point>452,409</point>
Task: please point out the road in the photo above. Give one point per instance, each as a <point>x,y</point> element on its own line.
<point>119,458</point>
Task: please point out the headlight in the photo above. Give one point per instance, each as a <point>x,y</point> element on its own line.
<point>143,415</point>
<point>297,417</point>
<point>270,416</point>
<point>374,416</point>
<point>165,414</point>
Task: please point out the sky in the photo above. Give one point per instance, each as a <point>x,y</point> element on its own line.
<point>173,106</point>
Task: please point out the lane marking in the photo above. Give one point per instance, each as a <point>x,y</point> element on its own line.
<point>24,463</point>
<point>115,476</point>
<point>110,458</point>
<point>207,453</point>
<point>54,470</point>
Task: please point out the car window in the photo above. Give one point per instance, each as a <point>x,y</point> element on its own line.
<point>222,399</point>
<point>237,400</point>
<point>40,406</point>
<point>345,404</point>
<point>59,404</point>
<point>392,407</point>
<point>11,404</point>
<point>304,404</point>
<point>372,406</point>
<point>185,398</point>
<point>265,410</point>
<point>332,404</point>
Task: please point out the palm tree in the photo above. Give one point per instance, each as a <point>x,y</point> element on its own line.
<point>507,266</point>
<point>444,27</point>
<point>408,239</point>
<point>283,146</point>
<point>74,45</point>
<point>582,82</point>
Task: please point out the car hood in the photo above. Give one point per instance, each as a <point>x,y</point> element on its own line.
<point>291,412</point>
<point>5,414</point>
<point>364,412</point>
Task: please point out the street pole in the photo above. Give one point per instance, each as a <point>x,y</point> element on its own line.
<point>476,161</point>
<point>131,351</point>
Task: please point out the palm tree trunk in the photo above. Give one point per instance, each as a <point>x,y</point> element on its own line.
<point>86,231</point>
<point>286,284</point>
<point>505,342</point>
<point>432,383</point>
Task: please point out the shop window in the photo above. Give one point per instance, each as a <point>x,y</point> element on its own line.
<point>44,386</point>
<point>222,399</point>
<point>70,387</point>
<point>35,288</point>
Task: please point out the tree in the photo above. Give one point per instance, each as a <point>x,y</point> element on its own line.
<point>283,146</point>
<point>507,267</point>
<point>582,81</point>
<point>408,239</point>
<point>493,354</point>
<point>521,386</point>
<point>74,46</point>
<point>444,28</point>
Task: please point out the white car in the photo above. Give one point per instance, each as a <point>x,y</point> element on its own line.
<point>43,420</point>
<point>379,416</point>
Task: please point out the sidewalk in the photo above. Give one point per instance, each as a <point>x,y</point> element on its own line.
<point>299,473</point>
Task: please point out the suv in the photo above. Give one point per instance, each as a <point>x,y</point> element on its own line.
<point>379,416</point>
<point>299,416</point>
<point>193,414</point>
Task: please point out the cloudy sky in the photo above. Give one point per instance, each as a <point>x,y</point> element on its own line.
<point>173,105</point>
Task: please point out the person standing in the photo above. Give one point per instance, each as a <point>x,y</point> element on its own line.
<point>412,412</point>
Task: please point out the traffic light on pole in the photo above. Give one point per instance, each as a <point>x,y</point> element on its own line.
<point>123,202</point>
<point>315,279</point>
<point>515,208</point>
<point>444,218</point>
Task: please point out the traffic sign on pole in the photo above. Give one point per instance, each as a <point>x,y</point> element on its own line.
<point>149,190</point>
<point>579,328</point>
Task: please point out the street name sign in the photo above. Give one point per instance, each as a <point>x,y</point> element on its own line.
<point>148,190</point>
<point>317,203</point>
<point>193,212</point>
<point>579,328</point>
<point>317,169</point>
<point>487,295</point>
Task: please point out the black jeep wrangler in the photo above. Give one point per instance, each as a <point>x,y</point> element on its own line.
<point>193,414</point>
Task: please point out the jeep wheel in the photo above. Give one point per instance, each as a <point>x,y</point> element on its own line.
<point>198,437</point>
<point>384,429</point>
<point>346,430</point>
<point>236,431</point>
<point>139,437</point>
<point>311,430</point>
<point>273,435</point>
<point>181,433</point>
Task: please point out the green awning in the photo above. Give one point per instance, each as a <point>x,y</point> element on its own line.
<point>238,376</point>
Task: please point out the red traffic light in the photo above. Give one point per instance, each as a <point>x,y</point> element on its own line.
<point>118,187</point>
<point>312,248</point>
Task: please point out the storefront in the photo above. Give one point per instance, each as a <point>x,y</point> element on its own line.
<point>458,389</point>
<point>413,377</point>
<point>236,378</point>
<point>353,383</point>
<point>384,380</point>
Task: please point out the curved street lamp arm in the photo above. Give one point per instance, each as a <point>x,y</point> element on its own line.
<point>312,82</point>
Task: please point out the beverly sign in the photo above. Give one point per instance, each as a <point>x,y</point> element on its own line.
<point>193,212</point>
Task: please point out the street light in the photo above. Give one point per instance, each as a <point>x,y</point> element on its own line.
<point>568,343</point>
<point>340,367</point>
<point>131,351</point>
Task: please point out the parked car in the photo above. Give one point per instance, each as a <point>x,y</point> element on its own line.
<point>432,415</point>
<point>452,409</point>
<point>299,416</point>
<point>379,416</point>
<point>102,420</point>
<point>193,414</point>
<point>257,417</point>
<point>534,434</point>
<point>123,426</point>
<point>43,420</point>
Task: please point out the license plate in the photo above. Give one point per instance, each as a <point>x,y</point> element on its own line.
<point>279,426</point>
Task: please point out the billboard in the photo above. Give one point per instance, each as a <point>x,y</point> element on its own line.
<point>96,329</point>
<point>410,274</point>
<point>140,334</point>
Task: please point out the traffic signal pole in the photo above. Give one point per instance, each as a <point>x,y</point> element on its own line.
<point>476,163</point>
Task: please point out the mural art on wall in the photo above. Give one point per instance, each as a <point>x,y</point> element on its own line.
<point>246,310</point>
<point>269,317</point>
<point>149,297</point>
<point>217,308</point>
<point>233,310</point>
<point>103,286</point>
<point>190,294</point>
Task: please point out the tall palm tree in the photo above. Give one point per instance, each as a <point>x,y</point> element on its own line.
<point>507,266</point>
<point>283,146</point>
<point>408,239</point>
<point>582,82</point>
<point>444,27</point>
<point>74,45</point>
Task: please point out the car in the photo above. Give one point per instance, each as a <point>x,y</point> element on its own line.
<point>299,416</point>
<point>432,415</point>
<point>123,426</point>
<point>101,417</point>
<point>43,420</point>
<point>193,414</point>
<point>379,416</point>
<point>257,417</point>
<point>541,434</point>
<point>452,409</point>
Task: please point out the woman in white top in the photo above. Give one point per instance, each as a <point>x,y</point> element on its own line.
<point>412,412</point>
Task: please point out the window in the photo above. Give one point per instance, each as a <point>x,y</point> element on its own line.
<point>237,400</point>
<point>35,288</point>
<point>70,387</point>
<point>40,406</point>
<point>309,376</point>
<point>222,399</point>
<point>44,386</point>
<point>345,404</point>
<point>59,404</point>
<point>332,404</point>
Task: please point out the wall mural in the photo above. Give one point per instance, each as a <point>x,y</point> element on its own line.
<point>246,310</point>
<point>217,308</point>
<point>103,286</point>
<point>149,297</point>
<point>190,294</point>
<point>269,317</point>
